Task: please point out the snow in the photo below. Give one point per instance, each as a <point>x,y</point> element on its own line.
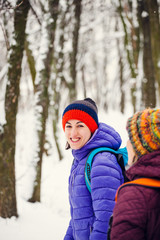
<point>49,218</point>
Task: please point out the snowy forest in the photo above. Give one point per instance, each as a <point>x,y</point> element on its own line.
<point>56,51</point>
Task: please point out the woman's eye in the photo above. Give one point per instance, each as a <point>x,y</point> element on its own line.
<point>80,126</point>
<point>68,126</point>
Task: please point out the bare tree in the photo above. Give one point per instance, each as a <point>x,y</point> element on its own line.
<point>130,57</point>
<point>8,206</point>
<point>73,55</point>
<point>148,83</point>
<point>42,93</point>
<point>153,9</point>
<point>59,82</point>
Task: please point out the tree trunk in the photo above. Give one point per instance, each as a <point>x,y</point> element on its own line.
<point>148,84</point>
<point>31,63</point>
<point>121,77</point>
<point>130,56</point>
<point>155,37</point>
<point>42,94</point>
<point>8,206</point>
<point>59,82</point>
<point>73,57</point>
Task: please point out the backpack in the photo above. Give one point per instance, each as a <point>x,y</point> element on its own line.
<point>145,182</point>
<point>122,159</point>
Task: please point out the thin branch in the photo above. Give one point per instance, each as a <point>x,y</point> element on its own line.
<point>10,7</point>
<point>5,36</point>
<point>18,5</point>
<point>34,12</point>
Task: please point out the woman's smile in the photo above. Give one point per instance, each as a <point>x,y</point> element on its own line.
<point>75,140</point>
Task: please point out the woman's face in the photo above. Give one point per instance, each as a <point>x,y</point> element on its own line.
<point>77,133</point>
<point>131,153</point>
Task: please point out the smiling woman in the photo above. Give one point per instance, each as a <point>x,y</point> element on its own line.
<point>90,212</point>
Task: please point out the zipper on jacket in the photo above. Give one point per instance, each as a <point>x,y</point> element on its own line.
<point>72,178</point>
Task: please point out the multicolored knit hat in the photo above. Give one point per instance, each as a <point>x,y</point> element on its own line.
<point>144,131</point>
<point>83,110</point>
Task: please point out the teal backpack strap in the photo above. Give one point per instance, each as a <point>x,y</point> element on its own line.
<point>124,153</point>
<point>119,152</point>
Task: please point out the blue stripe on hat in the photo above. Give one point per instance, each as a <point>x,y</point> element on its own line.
<point>82,107</point>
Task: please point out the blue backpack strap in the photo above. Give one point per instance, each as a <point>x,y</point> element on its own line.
<point>88,166</point>
<point>124,153</point>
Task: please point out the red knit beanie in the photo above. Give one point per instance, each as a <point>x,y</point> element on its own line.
<point>83,110</point>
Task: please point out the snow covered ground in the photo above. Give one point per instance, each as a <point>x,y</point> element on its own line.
<point>48,219</point>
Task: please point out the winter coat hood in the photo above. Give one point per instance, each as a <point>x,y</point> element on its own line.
<point>147,166</point>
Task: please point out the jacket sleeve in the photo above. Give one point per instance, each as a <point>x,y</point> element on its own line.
<point>69,233</point>
<point>106,177</point>
<point>129,215</point>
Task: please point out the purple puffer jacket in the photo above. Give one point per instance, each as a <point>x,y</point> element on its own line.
<point>137,212</point>
<point>90,213</point>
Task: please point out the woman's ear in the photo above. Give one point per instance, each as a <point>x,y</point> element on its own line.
<point>135,158</point>
<point>67,146</point>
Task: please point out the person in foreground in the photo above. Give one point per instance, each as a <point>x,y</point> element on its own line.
<point>136,215</point>
<point>90,212</point>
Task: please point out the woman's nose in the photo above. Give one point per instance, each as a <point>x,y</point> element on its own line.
<point>74,132</point>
